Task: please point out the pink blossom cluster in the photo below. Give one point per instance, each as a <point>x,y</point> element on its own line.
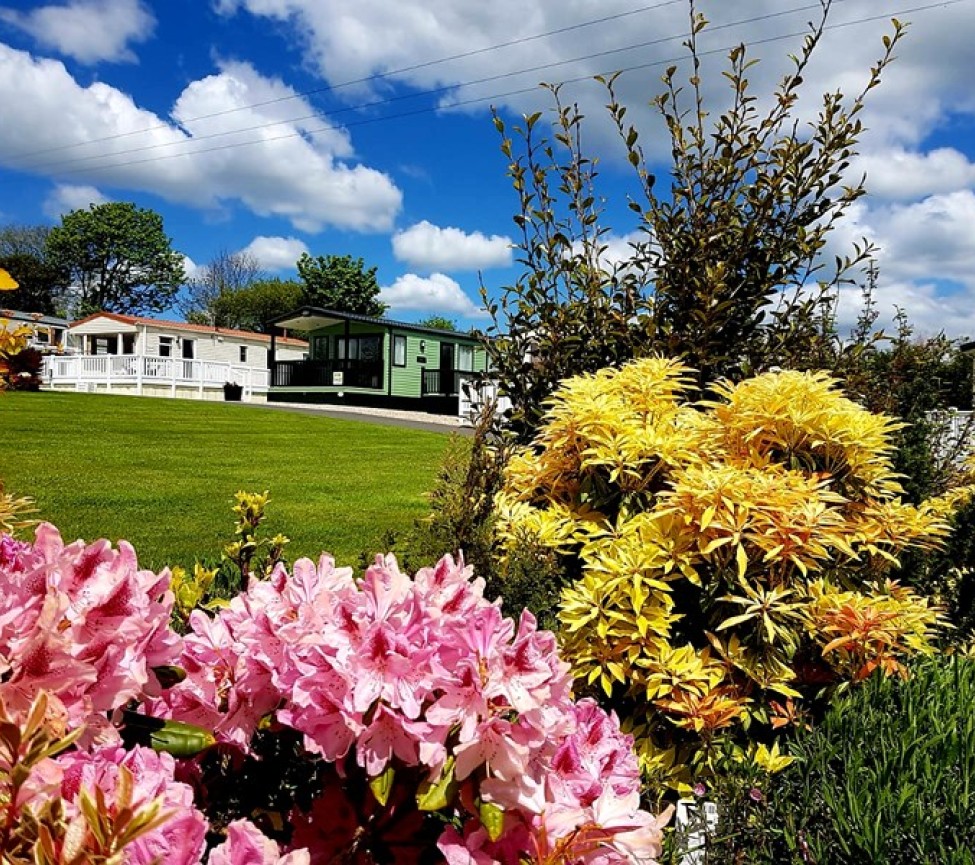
<point>81,622</point>
<point>423,672</point>
<point>246,845</point>
<point>419,684</point>
<point>180,840</point>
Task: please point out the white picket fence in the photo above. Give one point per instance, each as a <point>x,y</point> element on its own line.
<point>136,373</point>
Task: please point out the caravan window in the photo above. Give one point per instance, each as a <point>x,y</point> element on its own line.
<point>364,348</point>
<point>399,351</point>
<point>105,344</point>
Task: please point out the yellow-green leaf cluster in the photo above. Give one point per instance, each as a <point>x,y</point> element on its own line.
<point>14,512</point>
<point>13,340</point>
<point>34,828</point>
<point>728,555</point>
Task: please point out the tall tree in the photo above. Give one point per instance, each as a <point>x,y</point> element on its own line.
<point>227,272</point>
<point>41,286</point>
<point>340,282</point>
<point>119,258</point>
<point>726,273</point>
<point>250,308</point>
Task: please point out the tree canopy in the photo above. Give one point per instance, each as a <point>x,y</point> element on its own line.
<point>250,308</point>
<point>226,273</point>
<point>24,240</point>
<point>340,282</point>
<point>41,286</point>
<point>118,258</point>
<point>439,322</point>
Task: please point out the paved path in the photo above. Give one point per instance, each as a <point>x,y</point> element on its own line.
<point>385,417</point>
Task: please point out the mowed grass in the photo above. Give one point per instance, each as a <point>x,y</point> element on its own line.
<point>162,473</point>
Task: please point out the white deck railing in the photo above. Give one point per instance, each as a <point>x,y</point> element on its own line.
<point>475,395</point>
<point>84,370</point>
<point>954,434</point>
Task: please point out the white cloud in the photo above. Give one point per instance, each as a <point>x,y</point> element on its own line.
<point>190,267</point>
<point>352,41</point>
<point>929,239</point>
<point>925,251</point>
<point>307,177</point>
<point>930,310</point>
<point>87,30</point>
<point>907,175</point>
<point>428,247</point>
<point>437,294</point>
<point>276,253</point>
<point>66,197</point>
<point>921,209</point>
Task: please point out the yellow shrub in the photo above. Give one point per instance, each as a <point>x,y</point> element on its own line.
<point>729,556</point>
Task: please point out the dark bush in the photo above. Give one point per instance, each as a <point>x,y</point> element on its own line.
<point>886,778</point>
<point>24,370</point>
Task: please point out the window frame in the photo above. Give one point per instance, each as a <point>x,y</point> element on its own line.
<point>399,339</point>
<point>350,348</point>
<point>464,351</point>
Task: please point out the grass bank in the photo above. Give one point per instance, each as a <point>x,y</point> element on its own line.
<point>162,473</point>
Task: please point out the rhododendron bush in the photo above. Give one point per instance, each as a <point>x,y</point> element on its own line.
<point>315,718</point>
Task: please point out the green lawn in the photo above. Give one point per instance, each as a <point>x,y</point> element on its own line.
<point>161,473</point>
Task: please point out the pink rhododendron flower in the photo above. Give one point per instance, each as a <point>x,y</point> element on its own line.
<point>420,675</point>
<point>245,845</point>
<point>411,672</point>
<point>227,687</point>
<point>11,549</point>
<point>81,621</point>
<point>612,829</point>
<point>180,840</point>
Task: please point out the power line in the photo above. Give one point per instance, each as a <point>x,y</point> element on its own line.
<point>520,91</point>
<point>60,165</point>
<point>379,76</point>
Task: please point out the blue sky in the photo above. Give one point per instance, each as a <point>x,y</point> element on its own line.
<point>340,127</point>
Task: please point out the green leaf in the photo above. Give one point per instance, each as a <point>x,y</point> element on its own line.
<point>492,818</point>
<point>381,785</point>
<point>435,795</point>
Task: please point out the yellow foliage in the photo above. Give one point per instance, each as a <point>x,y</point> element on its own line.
<point>705,540</point>
<point>770,759</point>
<point>661,766</point>
<point>12,342</point>
<point>190,591</point>
<point>613,624</point>
<point>7,282</point>
<point>862,631</point>
<point>13,512</point>
<point>801,420</point>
